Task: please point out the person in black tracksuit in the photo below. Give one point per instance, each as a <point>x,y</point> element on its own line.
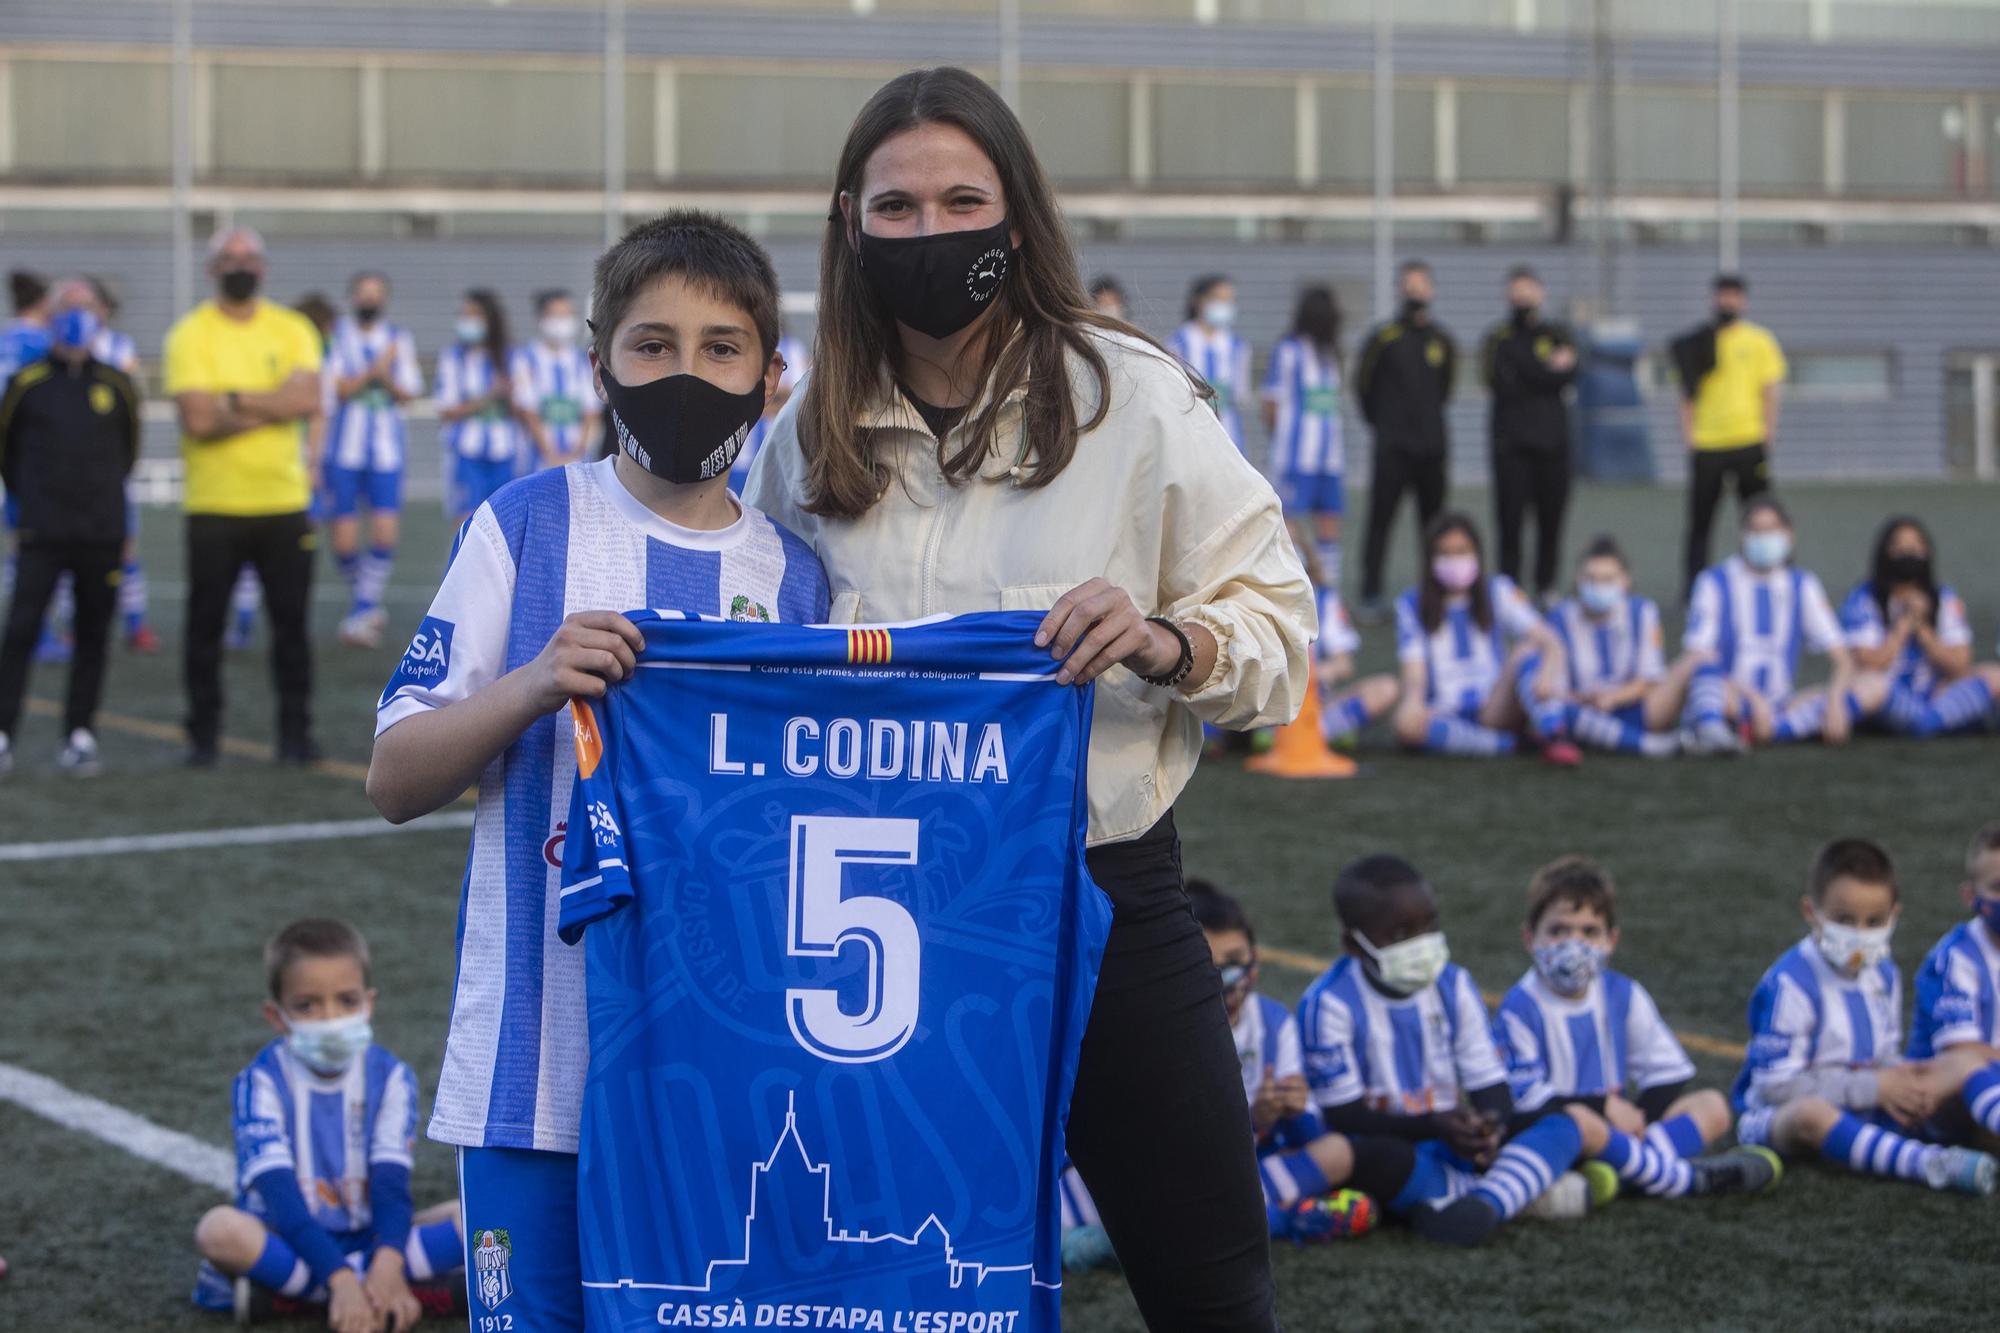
<point>69,432</point>
<point>1402,379</point>
<point>1527,362</point>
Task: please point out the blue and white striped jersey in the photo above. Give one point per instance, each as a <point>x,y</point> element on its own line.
<point>366,432</point>
<point>555,384</point>
<point>1408,1056</point>
<point>547,546</point>
<point>1461,662</point>
<point>1804,1015</point>
<point>1861,620</point>
<point>1753,623</point>
<point>1267,1037</point>
<point>1304,386</point>
<point>1956,992</point>
<point>328,1131</point>
<point>1337,634</point>
<point>1622,647</point>
<point>1609,1039</point>
<point>797,361</point>
<point>1223,359</point>
<point>116,349</point>
<point>465,374</point>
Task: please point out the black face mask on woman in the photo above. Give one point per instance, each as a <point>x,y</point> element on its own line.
<point>940,283</point>
<point>682,428</point>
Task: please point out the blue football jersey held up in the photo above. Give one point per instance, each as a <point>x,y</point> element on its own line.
<point>841,951</point>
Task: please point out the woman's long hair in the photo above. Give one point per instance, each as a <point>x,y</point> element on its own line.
<point>495,341</point>
<point>1316,318</point>
<point>1431,594</point>
<point>1879,584</point>
<point>1039,316</point>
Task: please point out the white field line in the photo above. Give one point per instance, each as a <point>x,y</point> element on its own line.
<point>202,1163</point>
<point>253,836</point>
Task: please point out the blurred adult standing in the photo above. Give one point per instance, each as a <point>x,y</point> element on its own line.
<point>1401,381</point>
<point>1732,374</point>
<point>1527,362</point>
<point>244,374</point>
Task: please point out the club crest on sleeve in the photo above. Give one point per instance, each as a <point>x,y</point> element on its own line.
<point>489,1267</point>
<point>427,661</point>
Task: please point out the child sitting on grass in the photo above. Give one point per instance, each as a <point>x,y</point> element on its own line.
<point>325,1123</point>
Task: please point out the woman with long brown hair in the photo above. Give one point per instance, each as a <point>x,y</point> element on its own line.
<point>975,436</point>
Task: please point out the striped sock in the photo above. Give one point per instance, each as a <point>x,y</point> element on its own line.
<point>372,578</point>
<point>1329,561</point>
<point>1708,695</point>
<point>434,1248</point>
<point>280,1269</point>
<point>1982,1096</point>
<point>347,565</point>
<point>1288,1177</point>
<point>1454,735</point>
<point>1801,721</point>
<point>1549,718</point>
<point>245,599</point>
<point>1664,1175</point>
<point>1596,728</point>
<point>1957,706</point>
<point>132,596</point>
<point>1346,717</point>
<point>1678,1134</point>
<point>1872,1150</point>
<point>1530,1164</point>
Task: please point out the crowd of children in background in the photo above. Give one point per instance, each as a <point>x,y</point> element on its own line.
<point>1392,1093</point>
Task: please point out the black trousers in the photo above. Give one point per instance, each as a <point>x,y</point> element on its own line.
<point>280,547</point>
<point>1708,471</point>
<point>1158,1127</point>
<point>93,567</point>
<point>1395,472</point>
<point>1527,479</point>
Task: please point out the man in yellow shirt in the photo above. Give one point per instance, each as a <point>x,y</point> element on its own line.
<point>244,377</point>
<point>1730,419</point>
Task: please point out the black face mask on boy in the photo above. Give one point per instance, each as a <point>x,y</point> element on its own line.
<point>681,428</point>
<point>940,283</point>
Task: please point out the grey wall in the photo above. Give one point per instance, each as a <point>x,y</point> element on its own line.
<point>1923,304</point>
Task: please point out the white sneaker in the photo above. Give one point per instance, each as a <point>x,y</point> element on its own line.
<point>1565,1201</point>
<point>1711,738</point>
<point>361,630</point>
<point>6,755</point>
<point>79,756</point>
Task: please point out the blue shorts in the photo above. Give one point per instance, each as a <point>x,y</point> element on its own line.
<point>1633,714</point>
<point>1315,493</point>
<point>521,1251</point>
<point>345,487</point>
<point>474,481</point>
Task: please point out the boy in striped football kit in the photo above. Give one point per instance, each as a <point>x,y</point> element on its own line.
<point>370,373</point>
<point>522,623</point>
<point>552,391</point>
<point>1957,1025</point>
<point>1575,1032</point>
<point>1211,347</point>
<point>1824,1074</point>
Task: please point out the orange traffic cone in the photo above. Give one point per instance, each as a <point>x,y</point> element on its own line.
<point>1299,751</point>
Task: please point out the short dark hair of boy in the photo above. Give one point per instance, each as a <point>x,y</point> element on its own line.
<point>1758,504</point>
<point>548,296</point>
<point>26,289</point>
<point>1604,546</point>
<point>704,250</point>
<point>1984,841</point>
<point>1216,911</point>
<point>1853,858</point>
<point>1360,888</point>
<point>1572,881</point>
<point>311,937</point>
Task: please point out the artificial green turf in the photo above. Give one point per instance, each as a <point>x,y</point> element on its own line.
<point>136,978</point>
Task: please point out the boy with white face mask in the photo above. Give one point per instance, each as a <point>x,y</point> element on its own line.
<point>1576,1033</point>
<point>1622,697</point>
<point>1823,1072</point>
<point>1746,620</point>
<point>1957,1024</point>
<point>325,1124</point>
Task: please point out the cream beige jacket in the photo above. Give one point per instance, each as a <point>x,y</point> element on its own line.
<point>1157,500</point>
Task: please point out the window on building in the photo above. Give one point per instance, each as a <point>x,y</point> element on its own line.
<point>1905,145</point>
<point>66,124</point>
<point>1224,132</point>
<point>1081,131</point>
<point>287,120</point>
<point>542,125</point>
<point>1845,375</point>
<point>1512,136</point>
<point>766,127</point>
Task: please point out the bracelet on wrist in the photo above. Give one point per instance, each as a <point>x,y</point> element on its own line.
<point>1183,665</point>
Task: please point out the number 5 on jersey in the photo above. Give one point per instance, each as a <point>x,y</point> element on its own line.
<point>820,922</point>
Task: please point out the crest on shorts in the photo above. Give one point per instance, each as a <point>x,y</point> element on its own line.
<point>489,1267</point>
